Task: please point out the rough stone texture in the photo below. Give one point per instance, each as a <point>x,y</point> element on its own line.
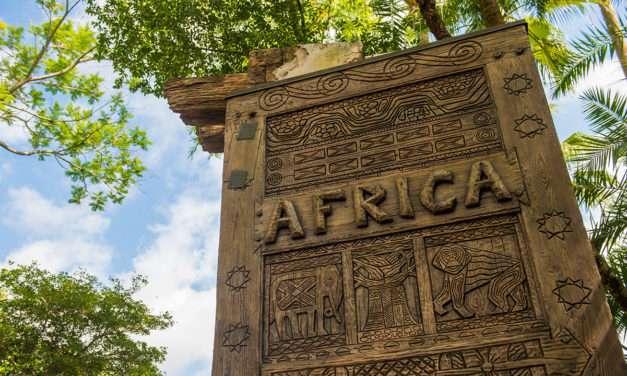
<point>309,58</point>
<point>201,102</point>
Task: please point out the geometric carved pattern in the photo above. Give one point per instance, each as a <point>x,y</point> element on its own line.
<point>310,156</point>
<point>543,356</point>
<point>517,84</point>
<point>378,158</point>
<point>422,123</point>
<point>554,224</point>
<point>529,126</point>
<point>235,336</point>
<point>237,278</point>
<point>572,293</point>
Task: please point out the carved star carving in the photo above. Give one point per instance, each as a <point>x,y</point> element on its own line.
<point>517,84</point>
<point>572,293</point>
<point>235,336</point>
<point>237,278</point>
<point>529,126</point>
<point>554,224</point>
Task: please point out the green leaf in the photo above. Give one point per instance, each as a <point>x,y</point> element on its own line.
<point>591,49</point>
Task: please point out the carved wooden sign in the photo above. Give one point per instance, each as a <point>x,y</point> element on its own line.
<point>406,215</point>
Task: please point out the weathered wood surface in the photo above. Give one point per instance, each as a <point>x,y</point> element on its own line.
<point>411,215</point>
<point>201,102</point>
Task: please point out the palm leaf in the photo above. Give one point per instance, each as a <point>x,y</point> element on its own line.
<point>606,113</point>
<point>547,46</point>
<point>558,11</point>
<point>591,49</point>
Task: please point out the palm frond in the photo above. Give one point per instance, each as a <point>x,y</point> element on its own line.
<point>547,45</point>
<point>591,49</point>
<point>593,187</point>
<point>607,113</point>
<point>558,11</point>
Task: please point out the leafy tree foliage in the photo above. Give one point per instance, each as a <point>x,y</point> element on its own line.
<point>62,324</point>
<point>152,41</point>
<point>63,110</point>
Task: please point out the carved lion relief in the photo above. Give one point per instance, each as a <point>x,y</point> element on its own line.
<point>478,278</point>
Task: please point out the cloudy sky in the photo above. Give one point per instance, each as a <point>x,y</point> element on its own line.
<point>167,229</point>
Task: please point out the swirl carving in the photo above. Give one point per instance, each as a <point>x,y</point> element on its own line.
<point>460,53</point>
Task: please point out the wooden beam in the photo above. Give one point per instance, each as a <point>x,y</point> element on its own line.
<point>201,103</point>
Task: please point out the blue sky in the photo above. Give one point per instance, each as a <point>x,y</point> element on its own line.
<point>168,227</point>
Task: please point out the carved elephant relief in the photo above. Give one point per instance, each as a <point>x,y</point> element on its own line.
<point>307,303</point>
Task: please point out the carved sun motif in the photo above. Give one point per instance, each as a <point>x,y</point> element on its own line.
<point>554,225</point>
<point>529,126</point>
<point>517,84</point>
<point>235,336</point>
<point>237,278</point>
<point>572,293</point>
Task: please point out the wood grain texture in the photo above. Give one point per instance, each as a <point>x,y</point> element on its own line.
<point>375,279</point>
<point>562,255</point>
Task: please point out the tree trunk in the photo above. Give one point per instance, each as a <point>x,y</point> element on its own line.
<point>614,28</point>
<point>432,18</point>
<point>613,284</point>
<point>491,13</point>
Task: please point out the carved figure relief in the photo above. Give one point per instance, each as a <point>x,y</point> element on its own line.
<point>442,118</point>
<point>386,292</point>
<point>476,274</point>
<point>473,269</point>
<point>305,305</point>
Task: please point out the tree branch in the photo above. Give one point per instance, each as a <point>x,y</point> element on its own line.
<point>79,60</point>
<point>28,153</point>
<point>44,48</point>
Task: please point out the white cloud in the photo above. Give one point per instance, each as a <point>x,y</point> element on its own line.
<point>14,135</point>
<point>41,218</point>
<point>181,266</point>
<point>65,255</point>
<point>59,237</point>
<point>5,170</point>
<point>608,75</point>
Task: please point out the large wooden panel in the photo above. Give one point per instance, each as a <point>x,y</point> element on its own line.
<point>408,215</point>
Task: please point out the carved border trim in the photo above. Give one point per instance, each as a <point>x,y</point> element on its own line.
<point>460,53</point>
